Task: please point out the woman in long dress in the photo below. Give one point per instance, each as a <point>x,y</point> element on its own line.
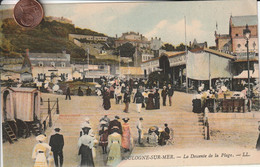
<point>150,103</point>
<point>258,141</point>
<point>106,99</point>
<point>103,142</point>
<point>114,145</point>
<point>126,136</point>
<point>157,99</point>
<point>85,144</point>
<point>41,152</point>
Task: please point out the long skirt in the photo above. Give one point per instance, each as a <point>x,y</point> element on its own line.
<point>40,160</point>
<point>106,103</point>
<point>86,156</point>
<point>114,155</point>
<point>150,104</point>
<point>157,103</point>
<point>258,143</point>
<point>126,140</point>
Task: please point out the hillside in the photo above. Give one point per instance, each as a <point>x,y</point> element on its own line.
<point>48,37</point>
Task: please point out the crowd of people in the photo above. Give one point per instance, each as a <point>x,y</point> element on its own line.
<point>133,90</point>
<point>114,137</point>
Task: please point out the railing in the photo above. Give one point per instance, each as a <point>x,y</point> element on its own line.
<point>50,112</point>
<point>206,128</point>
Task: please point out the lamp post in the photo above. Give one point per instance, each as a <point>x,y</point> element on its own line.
<point>247,33</point>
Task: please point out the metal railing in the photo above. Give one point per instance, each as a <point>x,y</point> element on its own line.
<point>48,118</point>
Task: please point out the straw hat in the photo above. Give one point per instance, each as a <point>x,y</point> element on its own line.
<point>103,122</point>
<point>41,137</point>
<point>153,128</point>
<point>86,125</point>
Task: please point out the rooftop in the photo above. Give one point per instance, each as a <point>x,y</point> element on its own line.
<point>48,55</point>
<point>214,52</point>
<point>243,20</point>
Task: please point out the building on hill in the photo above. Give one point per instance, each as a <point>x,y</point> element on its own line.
<point>91,38</point>
<point>58,19</point>
<point>136,39</point>
<point>51,66</point>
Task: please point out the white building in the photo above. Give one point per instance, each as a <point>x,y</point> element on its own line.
<point>51,66</point>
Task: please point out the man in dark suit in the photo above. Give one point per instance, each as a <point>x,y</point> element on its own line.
<point>57,143</point>
<point>170,93</point>
<point>115,123</point>
<point>68,93</point>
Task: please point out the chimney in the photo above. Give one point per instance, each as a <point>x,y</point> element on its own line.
<point>159,39</point>
<point>190,43</point>
<point>116,36</point>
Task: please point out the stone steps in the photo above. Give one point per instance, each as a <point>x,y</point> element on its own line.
<point>186,125</point>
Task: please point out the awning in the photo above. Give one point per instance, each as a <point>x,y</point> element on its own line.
<point>244,74</point>
<point>255,74</point>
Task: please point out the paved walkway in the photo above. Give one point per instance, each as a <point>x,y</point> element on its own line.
<point>73,113</point>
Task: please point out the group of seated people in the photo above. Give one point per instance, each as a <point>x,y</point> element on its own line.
<point>158,135</point>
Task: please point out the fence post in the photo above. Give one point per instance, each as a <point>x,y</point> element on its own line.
<point>207,126</point>
<point>49,113</point>
<point>57,109</point>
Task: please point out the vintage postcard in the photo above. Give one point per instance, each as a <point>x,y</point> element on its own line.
<point>129,84</point>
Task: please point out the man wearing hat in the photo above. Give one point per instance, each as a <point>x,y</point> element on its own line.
<point>57,143</point>
<point>106,119</point>
<point>115,123</point>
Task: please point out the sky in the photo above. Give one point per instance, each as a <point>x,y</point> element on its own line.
<point>164,20</point>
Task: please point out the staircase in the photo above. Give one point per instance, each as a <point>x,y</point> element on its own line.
<point>9,133</point>
<point>186,125</point>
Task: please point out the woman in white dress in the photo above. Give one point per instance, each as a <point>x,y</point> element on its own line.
<point>114,145</point>
<point>42,152</point>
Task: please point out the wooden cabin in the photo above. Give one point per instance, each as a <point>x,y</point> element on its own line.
<point>21,103</point>
<point>20,112</point>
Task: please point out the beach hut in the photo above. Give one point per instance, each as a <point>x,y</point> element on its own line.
<point>20,111</point>
<point>21,103</point>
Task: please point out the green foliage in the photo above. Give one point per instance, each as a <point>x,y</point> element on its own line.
<point>168,47</point>
<point>127,50</point>
<point>156,76</point>
<point>48,37</point>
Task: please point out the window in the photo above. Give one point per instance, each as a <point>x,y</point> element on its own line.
<point>40,64</point>
<point>52,64</point>
<point>63,64</point>
<point>236,35</point>
<point>238,45</point>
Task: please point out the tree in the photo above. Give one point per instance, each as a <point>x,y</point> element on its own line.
<point>180,47</point>
<point>127,50</point>
<point>168,47</point>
